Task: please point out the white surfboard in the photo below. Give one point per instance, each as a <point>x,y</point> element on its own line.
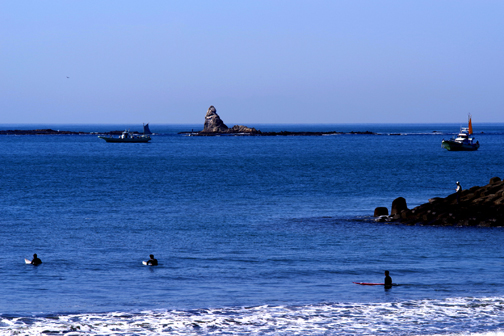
<point>144,262</point>
<point>27,261</point>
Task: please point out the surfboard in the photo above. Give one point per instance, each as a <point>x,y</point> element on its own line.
<point>373,284</point>
<point>144,262</point>
<point>27,261</point>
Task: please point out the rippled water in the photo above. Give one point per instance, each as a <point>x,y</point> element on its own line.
<point>255,235</point>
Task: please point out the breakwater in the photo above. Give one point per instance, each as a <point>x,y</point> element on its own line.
<point>476,206</point>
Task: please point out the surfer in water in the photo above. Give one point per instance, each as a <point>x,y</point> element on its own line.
<point>36,261</point>
<point>388,280</point>
<point>152,261</point>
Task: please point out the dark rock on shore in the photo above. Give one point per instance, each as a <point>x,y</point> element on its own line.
<point>478,206</point>
<point>398,205</point>
<point>380,211</point>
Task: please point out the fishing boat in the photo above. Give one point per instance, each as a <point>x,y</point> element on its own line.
<point>463,141</point>
<point>127,136</point>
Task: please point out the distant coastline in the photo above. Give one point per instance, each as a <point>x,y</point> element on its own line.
<point>281,133</point>
<point>49,131</point>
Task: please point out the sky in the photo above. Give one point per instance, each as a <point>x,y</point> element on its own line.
<point>256,61</point>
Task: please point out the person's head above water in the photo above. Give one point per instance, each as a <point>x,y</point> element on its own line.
<point>151,256</point>
<point>386,272</point>
<point>35,255</point>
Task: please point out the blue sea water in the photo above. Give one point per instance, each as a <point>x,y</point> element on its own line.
<point>254,235</point>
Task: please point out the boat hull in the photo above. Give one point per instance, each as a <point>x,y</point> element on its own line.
<point>458,146</point>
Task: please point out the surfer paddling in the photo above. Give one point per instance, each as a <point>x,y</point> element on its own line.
<point>36,261</point>
<point>152,261</point>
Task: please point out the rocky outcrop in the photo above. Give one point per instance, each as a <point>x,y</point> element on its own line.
<point>215,126</point>
<point>380,211</point>
<point>398,205</point>
<point>242,129</point>
<point>478,206</point>
<point>213,122</point>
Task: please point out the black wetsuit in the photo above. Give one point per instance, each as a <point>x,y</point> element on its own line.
<point>36,261</point>
<point>388,281</point>
<point>152,262</point>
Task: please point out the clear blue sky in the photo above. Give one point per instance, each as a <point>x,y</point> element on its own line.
<point>271,61</point>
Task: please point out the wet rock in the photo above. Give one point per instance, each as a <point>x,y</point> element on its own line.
<point>398,205</point>
<point>382,218</point>
<point>478,206</point>
<point>494,180</point>
<point>242,129</point>
<point>380,211</point>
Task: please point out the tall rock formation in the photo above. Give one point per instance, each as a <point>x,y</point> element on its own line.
<point>213,123</point>
<point>214,126</point>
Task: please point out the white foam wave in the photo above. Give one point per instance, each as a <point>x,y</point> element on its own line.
<point>460,316</point>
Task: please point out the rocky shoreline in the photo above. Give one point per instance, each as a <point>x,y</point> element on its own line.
<point>477,206</point>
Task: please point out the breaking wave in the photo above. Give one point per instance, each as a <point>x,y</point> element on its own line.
<point>455,316</point>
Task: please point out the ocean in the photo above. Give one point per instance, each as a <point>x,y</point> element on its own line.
<point>254,235</point>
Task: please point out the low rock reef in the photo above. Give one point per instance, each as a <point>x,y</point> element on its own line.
<point>48,131</point>
<point>215,126</point>
<point>477,206</point>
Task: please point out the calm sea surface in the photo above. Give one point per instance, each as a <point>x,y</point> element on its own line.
<point>254,235</point>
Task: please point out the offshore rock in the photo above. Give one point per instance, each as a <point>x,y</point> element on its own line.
<point>398,206</point>
<point>213,122</point>
<point>215,126</point>
<point>242,129</point>
<point>380,211</point>
<point>478,206</point>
